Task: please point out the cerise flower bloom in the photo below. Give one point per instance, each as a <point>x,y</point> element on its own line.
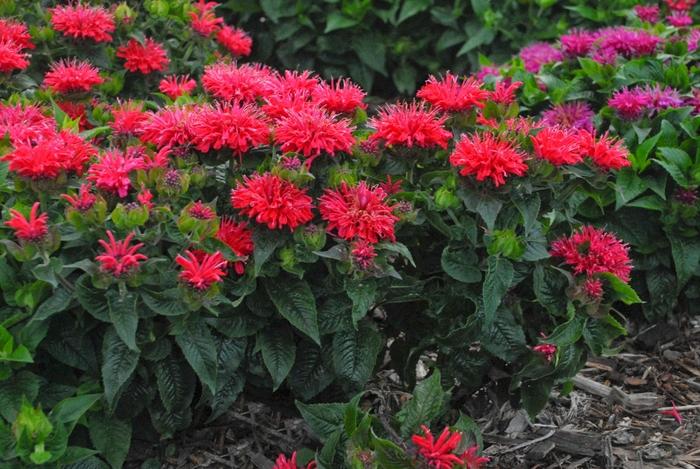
<point>557,145</point>
<point>577,43</point>
<point>662,97</point>
<point>235,40</point>
<point>14,31</point>
<point>362,254</point>
<point>272,201</point>
<point>575,115</point>
<point>11,57</point>
<point>239,238</point>
<point>32,229</point>
<point>627,42</point>
<point>547,350</point>
<point>174,86</point>
<point>25,123</point>
<point>201,270</point>
<point>452,95</point>
<point>167,127</point>
<point>283,463</point>
<point>341,96</point>
<point>111,173</point>
<point>630,104</point>
<point>486,156</point>
<point>71,75</point>
<point>238,127</point>
<point>410,125</point>
<point>358,212</point>
<point>83,201</point>
<point>145,58</point>
<point>648,13</point>
<point>312,131</point>
<point>120,258</point>
<point>680,5</point>
<point>472,460</point>
<point>693,40</point>
<point>593,288</point>
<point>592,251</point>
<point>536,55</point>
<point>200,211</point>
<point>83,22</point>
<point>605,151</point>
<point>231,82</point>
<point>439,454</point>
<point>128,117</point>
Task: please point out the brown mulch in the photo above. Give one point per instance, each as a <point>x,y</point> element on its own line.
<point>610,420</point>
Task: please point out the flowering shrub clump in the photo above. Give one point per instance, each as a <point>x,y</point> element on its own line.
<point>181,227</point>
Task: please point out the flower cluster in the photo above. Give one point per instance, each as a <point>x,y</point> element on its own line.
<point>634,103</point>
<point>440,453</point>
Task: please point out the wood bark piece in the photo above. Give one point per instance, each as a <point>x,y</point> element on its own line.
<point>634,402</point>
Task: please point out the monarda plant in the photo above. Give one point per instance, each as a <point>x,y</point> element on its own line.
<point>180,227</point>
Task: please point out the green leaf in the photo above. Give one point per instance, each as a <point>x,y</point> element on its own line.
<point>391,456</point>
<point>124,316</point>
<point>549,285</point>
<point>504,338</point>
<point>226,395</point>
<point>55,304</point>
<point>176,383</point>
<point>686,258</point>
<point>623,291</point>
<point>461,264</point>
<point>499,276</point>
<point>265,242</point>
<point>118,363</point>
<point>627,186</point>
<point>468,426</point>
<point>534,395</point>
<point>567,333</point>
<point>371,50</point>
<point>111,437</point>
<point>411,8</point>
<point>529,208</point>
<point>336,20</point>
<point>363,294</point>
<point>198,347</point>
<point>91,299</point>
<point>488,209</point>
<point>21,385</point>
<point>355,353</point>
<point>89,463</point>
<point>75,454</point>
<point>296,303</point>
<point>312,371</point>
<point>405,77</point>
<point>323,419</point>
<point>483,36</point>
<point>278,351</point>
<point>69,410</point>
<point>480,6</point>
<point>167,303</point>
<point>427,404</point>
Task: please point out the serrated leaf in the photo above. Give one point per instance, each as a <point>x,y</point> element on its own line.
<point>623,291</point>
<point>111,437</point>
<point>21,385</point>
<point>124,316</point>
<point>363,295</point>
<point>56,303</point>
<point>426,405</point>
<point>199,349</point>
<point>504,338</point>
<point>391,456</point>
<point>265,242</point>
<point>279,351</point>
<point>167,303</point>
<point>323,419</point>
<point>499,276</point>
<point>312,372</point>
<point>91,299</point>
<point>176,383</point>
<point>355,353</point>
<point>118,363</point>
<point>461,265</point>
<point>296,303</point>
<point>534,395</point>
<point>686,258</point>
<point>69,410</point>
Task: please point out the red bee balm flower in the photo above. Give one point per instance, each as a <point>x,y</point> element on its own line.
<point>592,251</point>
<point>167,127</point>
<point>83,22</point>
<point>283,463</point>
<point>472,460</point>
<point>410,125</point>
<point>231,82</point>
<point>273,201</point>
<point>606,152</point>
<point>128,118</point>
<point>448,94</point>
<point>358,212</point>
<point>174,86</point>
<point>547,350</point>
<point>202,270</point>
<point>14,31</point>
<point>204,20</point>
<point>11,57</point>
<point>486,156</point>
<point>32,229</point>
<point>112,172</point>
<point>119,258</point>
<point>145,58</point>
<point>235,126</point>
<point>235,40</point>
<point>439,453</point>
<point>673,412</point>
<point>83,201</point>
<point>558,146</point>
<point>339,96</point>
<point>200,211</point>
<point>70,75</point>
<point>362,254</point>
<point>312,131</point>
<point>239,238</point>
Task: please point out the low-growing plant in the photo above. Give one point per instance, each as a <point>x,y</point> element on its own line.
<point>171,242</point>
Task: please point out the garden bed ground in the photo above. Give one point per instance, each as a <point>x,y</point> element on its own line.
<point>610,420</point>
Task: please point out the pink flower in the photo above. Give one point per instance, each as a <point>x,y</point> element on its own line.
<point>239,238</point>
<point>145,57</point>
<point>295,82</point>
<point>25,123</point>
<point>83,22</point>
<point>201,270</point>
<point>120,258</point>
<point>15,31</point>
<point>487,157</point>
<point>680,5</point>
<point>32,229</point>
<point>111,173</point>
<point>679,19</point>
<point>235,40</point>
<point>362,254</point>
<point>174,86</point>
<point>472,460</point>
<point>70,75</point>
<point>629,104</point>
<point>547,350</point>
<point>575,115</point>
<point>128,117</point>
<point>487,71</point>
<point>626,42</point>
<point>283,463</point>
<point>452,95</point>
<point>203,20</point>
<point>239,127</point>
<point>410,125</point>
<point>593,288</point>
<point>504,91</point>
<point>200,211</point>
<point>673,412</point>
<point>11,57</point>
<point>693,40</point>
<point>577,43</point>
<point>536,55</point>
<point>648,13</point>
